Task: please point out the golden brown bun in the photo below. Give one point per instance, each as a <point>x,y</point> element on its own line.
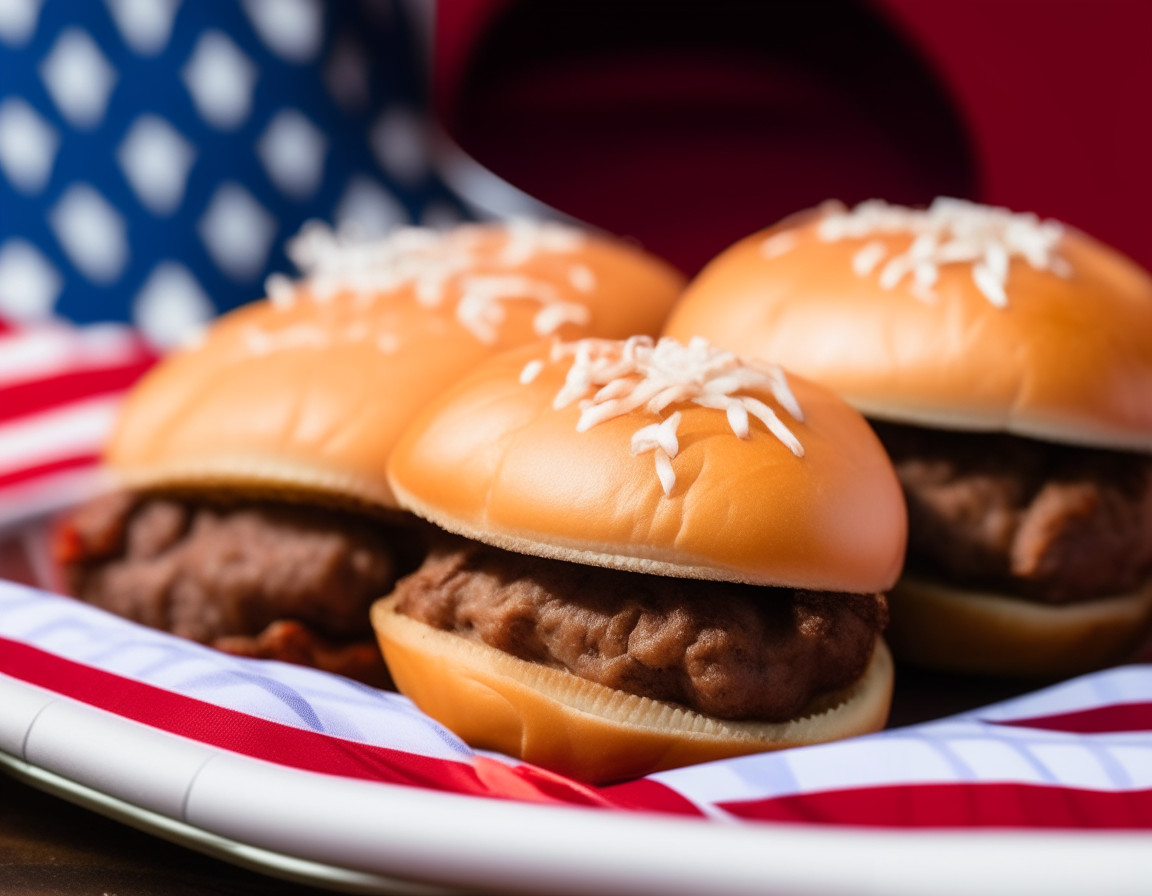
<point>943,627</point>
<point>1068,360</point>
<point>581,729</point>
<point>309,396</point>
<point>491,459</point>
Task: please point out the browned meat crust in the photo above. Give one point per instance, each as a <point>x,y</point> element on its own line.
<point>731,651</point>
<point>283,582</point>
<point>290,641</point>
<point>1054,523</point>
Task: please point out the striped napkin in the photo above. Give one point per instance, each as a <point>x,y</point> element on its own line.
<point>60,388</point>
<point>1074,756</point>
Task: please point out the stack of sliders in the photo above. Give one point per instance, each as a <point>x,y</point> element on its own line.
<point>660,555</point>
<point>252,511</point>
<point>1006,363</point>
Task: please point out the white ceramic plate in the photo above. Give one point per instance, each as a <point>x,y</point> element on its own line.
<point>375,838</point>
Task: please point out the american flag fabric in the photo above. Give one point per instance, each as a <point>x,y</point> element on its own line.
<point>60,389</point>
<point>1077,756</point>
<point>156,154</point>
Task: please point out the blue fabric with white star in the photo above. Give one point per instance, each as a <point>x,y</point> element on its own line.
<point>156,154</point>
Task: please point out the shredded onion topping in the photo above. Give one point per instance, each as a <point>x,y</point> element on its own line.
<point>950,231</point>
<point>430,261</point>
<point>654,375</point>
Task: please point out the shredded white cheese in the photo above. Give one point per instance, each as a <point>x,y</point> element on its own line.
<point>281,291</point>
<point>582,278</point>
<point>527,238</point>
<point>260,342</point>
<point>778,244</point>
<point>531,371</point>
<point>430,262</point>
<point>950,231</point>
<point>640,373</point>
<point>479,308</point>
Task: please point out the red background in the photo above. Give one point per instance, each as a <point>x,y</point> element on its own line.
<point>687,148</point>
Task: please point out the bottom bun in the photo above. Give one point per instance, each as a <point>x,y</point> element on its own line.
<point>595,734</point>
<point>944,627</point>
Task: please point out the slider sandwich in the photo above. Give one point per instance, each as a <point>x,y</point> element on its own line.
<point>1006,363</point>
<point>659,555</point>
<point>253,512</point>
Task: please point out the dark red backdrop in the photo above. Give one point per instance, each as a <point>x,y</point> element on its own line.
<point>688,124</point>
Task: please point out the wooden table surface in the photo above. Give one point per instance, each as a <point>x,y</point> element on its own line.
<point>49,846</point>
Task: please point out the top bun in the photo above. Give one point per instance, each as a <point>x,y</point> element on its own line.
<point>667,459</point>
<point>306,393</point>
<point>958,317</point>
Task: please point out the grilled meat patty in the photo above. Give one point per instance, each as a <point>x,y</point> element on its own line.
<point>1054,523</point>
<point>727,650</point>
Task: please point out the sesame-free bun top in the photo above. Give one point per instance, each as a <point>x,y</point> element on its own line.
<point>667,459</point>
<point>307,392</point>
<point>960,316</point>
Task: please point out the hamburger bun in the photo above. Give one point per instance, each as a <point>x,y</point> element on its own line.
<point>512,457</point>
<point>960,317</point>
<point>939,626</point>
<point>582,729</point>
<point>494,460</point>
<point>302,396</point>
<point>1057,348</point>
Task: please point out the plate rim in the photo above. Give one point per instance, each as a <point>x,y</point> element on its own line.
<point>234,852</point>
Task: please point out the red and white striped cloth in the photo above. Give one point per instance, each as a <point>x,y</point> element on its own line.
<point>60,388</point>
<point>1075,756</point>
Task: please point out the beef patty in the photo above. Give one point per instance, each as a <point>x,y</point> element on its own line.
<point>1054,523</point>
<point>276,581</point>
<point>727,650</point>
